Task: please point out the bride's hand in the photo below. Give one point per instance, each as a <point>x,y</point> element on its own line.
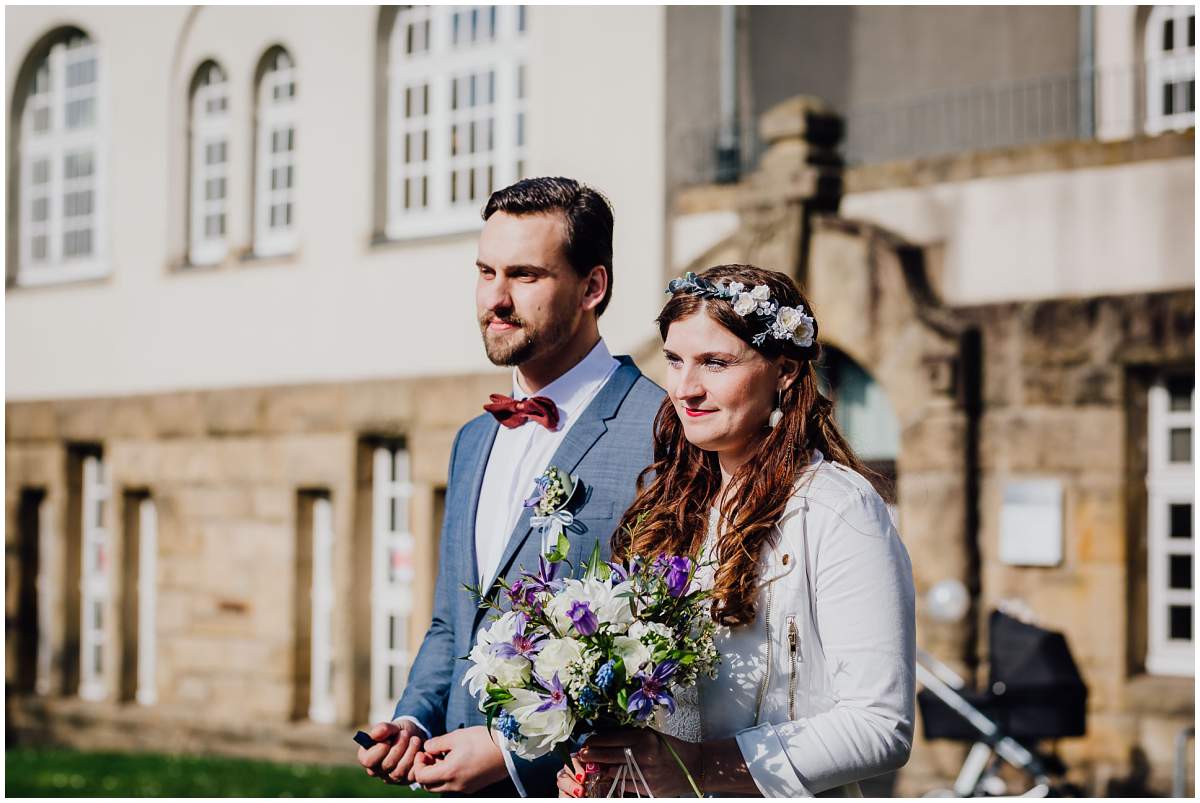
<point>572,778</point>
<point>649,749</point>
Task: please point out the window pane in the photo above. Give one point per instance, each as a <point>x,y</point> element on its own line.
<point>97,615</point>
<point>1180,571</point>
<point>1169,35</point>
<point>41,171</point>
<point>41,209</point>
<point>38,247</point>
<point>1180,390</point>
<point>1191,101</point>
<point>1168,99</point>
<point>1192,30</point>
<point>1181,445</point>
<point>1180,622</point>
<point>41,119</point>
<point>98,659</point>
<point>521,19</point>
<point>1181,521</point>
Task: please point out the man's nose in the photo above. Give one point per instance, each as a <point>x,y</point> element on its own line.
<point>495,294</point>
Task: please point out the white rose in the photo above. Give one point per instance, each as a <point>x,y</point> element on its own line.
<point>508,672</point>
<point>803,334</point>
<point>761,293</point>
<point>632,651</point>
<point>789,318</point>
<point>556,654</point>
<point>744,304</point>
<point>736,287</point>
<point>541,729</point>
<point>610,609</point>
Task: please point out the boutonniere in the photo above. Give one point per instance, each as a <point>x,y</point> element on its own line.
<point>556,496</point>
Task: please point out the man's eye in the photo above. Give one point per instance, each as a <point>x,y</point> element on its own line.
<point>672,360</point>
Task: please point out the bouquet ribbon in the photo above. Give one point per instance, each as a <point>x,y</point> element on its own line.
<point>552,524</point>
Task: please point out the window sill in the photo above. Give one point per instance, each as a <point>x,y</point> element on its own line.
<point>60,276</point>
<point>381,241</point>
<point>1161,694</point>
<point>233,261</point>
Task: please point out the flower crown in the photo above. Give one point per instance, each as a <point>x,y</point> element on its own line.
<point>783,323</point>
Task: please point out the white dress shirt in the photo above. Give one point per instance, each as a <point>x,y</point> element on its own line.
<point>520,454</point>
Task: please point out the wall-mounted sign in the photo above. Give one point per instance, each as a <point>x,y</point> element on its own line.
<point>1031,523</point>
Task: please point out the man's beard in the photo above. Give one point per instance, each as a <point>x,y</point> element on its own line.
<point>522,344</point>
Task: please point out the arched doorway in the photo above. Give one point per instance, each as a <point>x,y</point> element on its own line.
<point>864,414</point>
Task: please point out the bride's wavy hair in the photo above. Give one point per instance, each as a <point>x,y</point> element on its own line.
<point>670,513</point>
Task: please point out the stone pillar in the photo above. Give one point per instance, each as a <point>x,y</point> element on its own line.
<point>799,174</point>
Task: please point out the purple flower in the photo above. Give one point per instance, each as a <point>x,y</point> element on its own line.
<point>521,645</point>
<point>539,491</point>
<point>653,691</point>
<point>679,568</point>
<point>556,698</point>
<point>547,577</point>
<point>619,575</point>
<point>584,619</point>
<point>520,594</point>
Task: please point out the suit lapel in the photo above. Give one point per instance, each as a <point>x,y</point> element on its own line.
<point>579,440</point>
<point>480,449</point>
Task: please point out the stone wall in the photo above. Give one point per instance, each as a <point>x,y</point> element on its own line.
<point>225,469</point>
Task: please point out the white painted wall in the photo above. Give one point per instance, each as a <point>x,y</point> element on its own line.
<point>1123,229</point>
<point>341,308</point>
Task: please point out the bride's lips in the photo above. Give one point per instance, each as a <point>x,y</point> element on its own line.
<point>696,413</point>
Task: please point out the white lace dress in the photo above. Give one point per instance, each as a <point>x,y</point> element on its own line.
<point>735,688</point>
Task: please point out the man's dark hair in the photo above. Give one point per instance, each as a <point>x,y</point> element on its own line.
<point>587,212</point>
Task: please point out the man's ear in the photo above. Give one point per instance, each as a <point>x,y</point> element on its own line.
<point>595,288</point>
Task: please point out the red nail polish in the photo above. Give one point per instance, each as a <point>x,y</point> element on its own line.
<point>591,767</point>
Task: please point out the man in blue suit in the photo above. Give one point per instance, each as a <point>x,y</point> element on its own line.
<point>544,278</point>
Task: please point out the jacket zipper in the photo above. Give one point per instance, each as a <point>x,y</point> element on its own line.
<point>762,690</point>
<point>794,655</point>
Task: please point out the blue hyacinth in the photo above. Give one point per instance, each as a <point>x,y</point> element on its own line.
<point>507,724</point>
<point>588,698</point>
<point>605,676</point>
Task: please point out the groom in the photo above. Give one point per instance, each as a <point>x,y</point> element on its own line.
<point>544,279</point>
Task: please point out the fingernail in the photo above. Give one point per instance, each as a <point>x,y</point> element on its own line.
<point>579,791</point>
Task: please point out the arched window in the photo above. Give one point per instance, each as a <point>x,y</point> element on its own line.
<point>274,156</point>
<point>61,162</point>
<point>210,130</point>
<point>456,124</point>
<point>1170,47</point>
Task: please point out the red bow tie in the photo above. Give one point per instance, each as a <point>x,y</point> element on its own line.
<point>512,413</point>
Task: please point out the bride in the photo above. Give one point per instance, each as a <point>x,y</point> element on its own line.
<point>812,587</point>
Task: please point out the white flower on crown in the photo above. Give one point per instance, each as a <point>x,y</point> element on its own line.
<point>745,304</point>
<point>761,293</point>
<point>795,324</point>
<point>735,288</point>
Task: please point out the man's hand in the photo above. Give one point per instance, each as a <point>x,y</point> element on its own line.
<point>392,759</point>
<point>463,761</point>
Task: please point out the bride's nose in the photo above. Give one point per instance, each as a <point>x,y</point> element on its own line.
<point>690,386</point>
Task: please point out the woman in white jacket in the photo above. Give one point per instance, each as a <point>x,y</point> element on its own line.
<point>812,587</point>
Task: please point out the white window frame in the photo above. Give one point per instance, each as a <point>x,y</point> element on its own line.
<point>436,63</point>
<point>1167,483</point>
<point>209,127</point>
<point>95,582</point>
<point>54,145</point>
<point>1177,67</point>
<point>321,699</point>
<point>276,116</point>
<point>392,562</point>
<point>147,687</point>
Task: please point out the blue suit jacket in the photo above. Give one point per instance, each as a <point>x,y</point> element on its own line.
<point>607,447</point>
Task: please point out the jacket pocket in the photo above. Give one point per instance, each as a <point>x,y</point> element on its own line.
<point>795,657</point>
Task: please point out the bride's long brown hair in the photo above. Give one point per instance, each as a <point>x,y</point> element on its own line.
<point>670,513</point>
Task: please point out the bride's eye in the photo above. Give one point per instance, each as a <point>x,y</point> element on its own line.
<point>716,364</point>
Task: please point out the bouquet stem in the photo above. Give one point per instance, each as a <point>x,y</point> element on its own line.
<point>691,781</point>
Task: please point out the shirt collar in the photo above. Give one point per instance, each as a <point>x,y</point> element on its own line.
<point>574,387</point>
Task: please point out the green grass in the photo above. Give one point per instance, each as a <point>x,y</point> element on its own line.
<point>68,773</point>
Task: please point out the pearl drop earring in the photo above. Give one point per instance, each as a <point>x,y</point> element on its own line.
<point>777,413</point>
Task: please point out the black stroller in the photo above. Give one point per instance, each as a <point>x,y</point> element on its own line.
<point>1034,692</point>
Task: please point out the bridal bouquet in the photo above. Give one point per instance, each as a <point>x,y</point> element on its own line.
<point>609,646</point>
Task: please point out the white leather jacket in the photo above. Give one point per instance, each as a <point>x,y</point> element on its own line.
<point>835,631</point>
